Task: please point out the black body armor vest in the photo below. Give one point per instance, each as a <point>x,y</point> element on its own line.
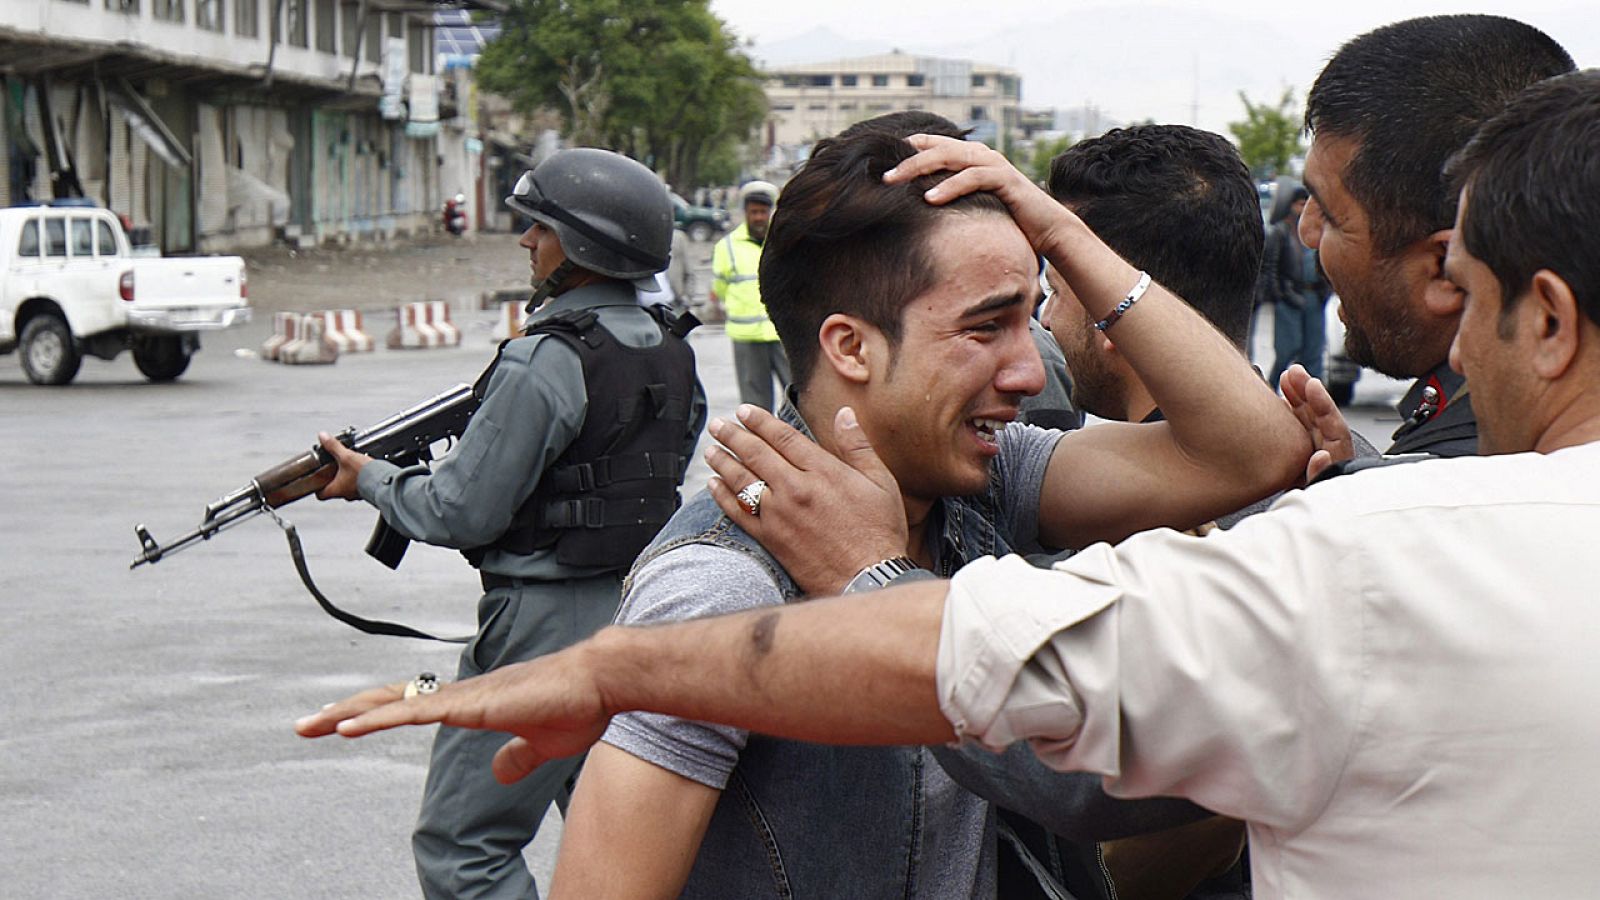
<point>617,483</point>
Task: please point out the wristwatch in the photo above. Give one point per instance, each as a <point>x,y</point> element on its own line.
<point>885,573</point>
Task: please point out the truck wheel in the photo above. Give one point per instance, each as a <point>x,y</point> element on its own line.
<point>161,358</point>
<point>699,231</point>
<point>48,354</point>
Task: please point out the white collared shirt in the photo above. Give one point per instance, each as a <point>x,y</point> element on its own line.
<point>1393,677</point>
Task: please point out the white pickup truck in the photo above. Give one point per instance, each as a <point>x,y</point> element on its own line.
<point>70,285</point>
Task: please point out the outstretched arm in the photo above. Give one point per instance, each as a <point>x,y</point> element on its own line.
<point>783,672</point>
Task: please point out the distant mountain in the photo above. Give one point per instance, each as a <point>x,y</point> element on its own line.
<point>1152,62</point>
<point>820,44</point>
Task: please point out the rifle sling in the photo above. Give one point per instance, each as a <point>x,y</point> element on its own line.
<point>367,626</point>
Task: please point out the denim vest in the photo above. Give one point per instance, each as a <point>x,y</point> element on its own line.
<point>812,821</point>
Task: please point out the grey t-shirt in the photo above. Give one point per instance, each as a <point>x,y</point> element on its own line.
<point>699,580</point>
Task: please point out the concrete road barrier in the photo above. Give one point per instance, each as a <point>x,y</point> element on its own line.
<point>285,328</point>
<point>424,324</point>
<point>313,346</point>
<point>509,323</point>
<point>343,328</point>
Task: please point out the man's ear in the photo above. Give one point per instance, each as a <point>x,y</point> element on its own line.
<point>848,347</point>
<point>1550,312</point>
<point>1440,296</point>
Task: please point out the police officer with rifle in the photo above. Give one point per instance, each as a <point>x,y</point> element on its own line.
<point>570,464</point>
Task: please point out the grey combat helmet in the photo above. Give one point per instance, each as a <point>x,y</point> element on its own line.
<point>611,213</point>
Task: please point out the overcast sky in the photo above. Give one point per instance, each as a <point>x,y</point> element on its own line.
<point>1173,61</point>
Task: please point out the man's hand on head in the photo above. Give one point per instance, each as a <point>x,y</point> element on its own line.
<point>350,464</point>
<point>1319,415</point>
<point>977,167</point>
<point>551,704</point>
<point>824,517</point>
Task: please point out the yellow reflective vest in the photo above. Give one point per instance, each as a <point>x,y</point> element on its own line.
<point>735,264</point>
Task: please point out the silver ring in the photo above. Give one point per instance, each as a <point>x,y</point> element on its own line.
<point>426,683</point>
<point>750,496</point>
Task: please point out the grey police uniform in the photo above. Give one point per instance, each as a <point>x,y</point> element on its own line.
<point>471,830</point>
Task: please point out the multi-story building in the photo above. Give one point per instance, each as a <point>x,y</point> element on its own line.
<point>222,124</point>
<point>808,102</point>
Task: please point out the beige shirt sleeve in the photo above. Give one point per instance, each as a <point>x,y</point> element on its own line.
<point>1224,669</point>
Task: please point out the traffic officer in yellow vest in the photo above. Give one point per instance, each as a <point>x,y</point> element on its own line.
<point>735,264</point>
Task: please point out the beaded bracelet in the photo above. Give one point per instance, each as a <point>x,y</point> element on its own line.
<point>1126,304</point>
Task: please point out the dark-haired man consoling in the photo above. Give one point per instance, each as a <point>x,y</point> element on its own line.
<point>1386,113</point>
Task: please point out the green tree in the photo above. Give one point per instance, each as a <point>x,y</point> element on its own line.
<point>1043,152</point>
<point>661,80</point>
<point>1269,136</point>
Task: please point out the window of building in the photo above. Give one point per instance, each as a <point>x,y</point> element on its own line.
<point>247,18</point>
<point>820,81</point>
<point>374,35</point>
<point>130,7</point>
<point>979,80</point>
<point>878,107</point>
<point>847,107</point>
<point>915,80</point>
<point>55,237</point>
<point>792,81</point>
<point>783,107</point>
<point>817,107</point>
<point>417,48</point>
<point>880,81</point>
<point>208,14</point>
<point>913,106</point>
<point>327,40</point>
<point>84,2</point>
<point>29,244</point>
<point>105,241</point>
<point>1009,86</point>
<point>82,237</point>
<point>167,10</point>
<point>847,80</point>
<point>349,15</point>
<point>294,23</point>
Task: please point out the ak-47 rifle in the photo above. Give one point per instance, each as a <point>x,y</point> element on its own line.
<point>404,439</point>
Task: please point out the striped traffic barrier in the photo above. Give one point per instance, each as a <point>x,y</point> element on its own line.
<point>439,318</point>
<point>509,322</point>
<point>285,328</point>
<point>411,329</point>
<point>423,324</point>
<point>312,347</point>
<point>343,328</point>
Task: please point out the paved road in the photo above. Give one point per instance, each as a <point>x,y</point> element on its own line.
<point>146,748</point>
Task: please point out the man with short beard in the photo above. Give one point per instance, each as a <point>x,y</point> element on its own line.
<point>1386,113</point>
